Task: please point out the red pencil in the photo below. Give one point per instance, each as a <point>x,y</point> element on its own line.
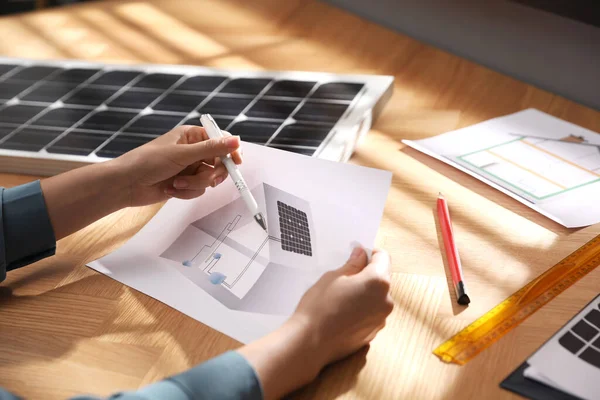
<point>452,252</point>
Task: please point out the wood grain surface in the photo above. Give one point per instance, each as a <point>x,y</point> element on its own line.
<point>65,329</point>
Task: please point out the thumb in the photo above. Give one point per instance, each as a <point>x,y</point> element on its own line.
<point>380,263</point>
<point>357,262</point>
<point>186,154</point>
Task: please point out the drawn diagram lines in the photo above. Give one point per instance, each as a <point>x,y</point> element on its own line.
<point>560,158</point>
<point>247,265</point>
<point>230,226</point>
<point>516,164</point>
<point>538,167</point>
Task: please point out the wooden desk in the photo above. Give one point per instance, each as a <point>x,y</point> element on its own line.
<point>65,329</point>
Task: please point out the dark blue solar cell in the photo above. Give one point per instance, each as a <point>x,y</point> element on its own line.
<point>179,102</point>
<point>115,78</point>
<point>297,89</point>
<point>90,95</point>
<point>19,114</point>
<point>109,121</point>
<point>154,124</point>
<point>320,112</point>
<point>272,109</point>
<point>10,89</point>
<point>254,131</point>
<point>78,143</point>
<point>201,83</point>
<point>301,135</point>
<point>4,68</point>
<point>122,144</point>
<point>134,99</point>
<point>34,73</point>
<point>337,91</point>
<point>30,139</point>
<point>6,130</point>
<point>61,117</point>
<point>75,75</point>
<point>248,86</point>
<point>157,81</point>
<point>49,92</point>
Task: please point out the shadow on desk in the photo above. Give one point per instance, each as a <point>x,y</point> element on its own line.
<point>143,334</point>
<point>484,190</point>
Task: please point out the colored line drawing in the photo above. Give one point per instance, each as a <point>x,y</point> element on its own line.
<point>230,226</point>
<point>226,250</point>
<point>538,167</point>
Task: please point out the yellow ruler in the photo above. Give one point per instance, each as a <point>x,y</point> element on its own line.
<point>501,319</point>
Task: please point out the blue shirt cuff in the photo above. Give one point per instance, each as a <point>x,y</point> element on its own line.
<point>228,376</point>
<point>28,233</point>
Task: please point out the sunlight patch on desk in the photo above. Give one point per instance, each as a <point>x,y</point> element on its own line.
<point>419,180</point>
<point>170,30</point>
<point>141,316</point>
<point>410,334</point>
<point>126,41</point>
<point>31,44</point>
<point>68,34</point>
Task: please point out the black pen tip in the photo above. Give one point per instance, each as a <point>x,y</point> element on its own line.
<point>261,221</point>
<point>464,300</point>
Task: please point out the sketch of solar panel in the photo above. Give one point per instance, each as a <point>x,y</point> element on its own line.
<point>57,115</point>
<point>228,255</point>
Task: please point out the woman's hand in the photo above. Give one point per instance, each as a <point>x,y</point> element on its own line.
<point>340,314</point>
<point>346,308</point>
<point>181,163</point>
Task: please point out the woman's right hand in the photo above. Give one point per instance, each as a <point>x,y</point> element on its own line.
<point>341,313</point>
<point>346,308</point>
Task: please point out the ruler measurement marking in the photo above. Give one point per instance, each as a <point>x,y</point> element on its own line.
<point>506,315</point>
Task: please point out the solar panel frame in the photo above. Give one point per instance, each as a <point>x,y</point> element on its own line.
<point>337,145</point>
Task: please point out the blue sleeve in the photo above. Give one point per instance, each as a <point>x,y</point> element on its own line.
<point>26,234</point>
<point>228,376</point>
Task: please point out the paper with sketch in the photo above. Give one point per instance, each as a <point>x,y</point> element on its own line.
<point>550,165</point>
<point>209,259</point>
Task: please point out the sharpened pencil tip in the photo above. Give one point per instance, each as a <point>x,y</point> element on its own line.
<point>440,195</point>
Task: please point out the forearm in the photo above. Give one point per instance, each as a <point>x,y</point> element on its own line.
<point>81,196</point>
<point>284,360</point>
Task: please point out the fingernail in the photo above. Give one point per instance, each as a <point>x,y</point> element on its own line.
<point>356,253</point>
<point>180,184</point>
<point>218,180</point>
<point>232,142</point>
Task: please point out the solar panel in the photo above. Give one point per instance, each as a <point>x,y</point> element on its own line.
<point>293,225</point>
<point>57,115</point>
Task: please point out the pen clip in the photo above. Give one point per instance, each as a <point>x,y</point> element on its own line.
<point>208,118</point>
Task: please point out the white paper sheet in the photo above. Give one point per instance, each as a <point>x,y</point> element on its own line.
<point>209,259</point>
<point>575,371</point>
<point>550,165</point>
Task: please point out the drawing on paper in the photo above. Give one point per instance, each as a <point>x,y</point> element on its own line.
<point>538,166</point>
<point>228,255</point>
